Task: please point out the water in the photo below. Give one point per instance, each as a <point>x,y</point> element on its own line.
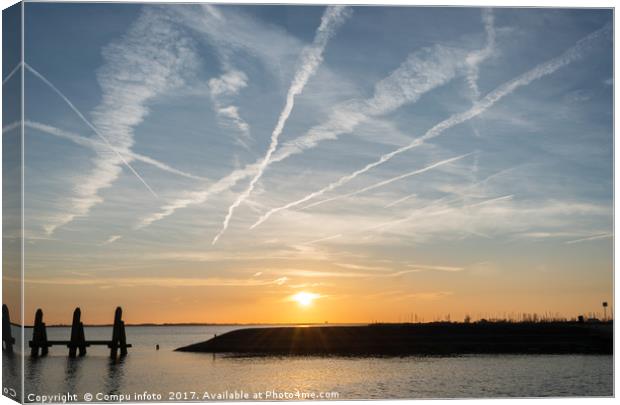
<point>187,376</point>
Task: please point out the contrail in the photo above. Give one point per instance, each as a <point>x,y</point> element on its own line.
<point>311,58</point>
<point>474,59</point>
<point>322,239</point>
<point>8,77</point>
<point>448,200</point>
<point>405,198</point>
<point>595,237</point>
<point>91,126</point>
<point>388,181</point>
<point>461,196</point>
<point>421,72</point>
<point>478,108</point>
<point>93,144</point>
<point>447,208</point>
<point>492,200</point>
<point>196,197</point>
<point>11,126</point>
<point>426,211</point>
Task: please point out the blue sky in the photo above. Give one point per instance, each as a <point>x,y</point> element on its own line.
<point>461,153</point>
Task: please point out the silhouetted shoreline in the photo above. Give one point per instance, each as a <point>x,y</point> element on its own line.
<point>188,324</point>
<point>417,339</point>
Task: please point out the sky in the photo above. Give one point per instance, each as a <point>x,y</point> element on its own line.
<point>201,163</point>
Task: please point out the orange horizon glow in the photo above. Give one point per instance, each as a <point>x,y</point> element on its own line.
<point>230,306</point>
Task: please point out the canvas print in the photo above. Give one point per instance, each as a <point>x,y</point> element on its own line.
<point>207,202</point>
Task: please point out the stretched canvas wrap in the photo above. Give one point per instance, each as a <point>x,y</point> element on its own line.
<point>207,202</point>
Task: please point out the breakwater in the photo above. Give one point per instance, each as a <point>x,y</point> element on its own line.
<point>417,339</point>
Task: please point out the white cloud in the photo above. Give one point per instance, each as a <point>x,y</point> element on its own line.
<point>150,60</point>
<point>310,59</point>
<point>104,138</point>
<point>418,74</point>
<point>426,267</point>
<point>474,59</point>
<point>232,114</point>
<point>222,90</point>
<point>502,215</point>
<point>391,180</point>
<point>478,108</point>
<point>113,239</point>
<point>96,145</point>
<point>228,84</point>
<point>157,282</point>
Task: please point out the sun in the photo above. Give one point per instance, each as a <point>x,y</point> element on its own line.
<point>305,299</point>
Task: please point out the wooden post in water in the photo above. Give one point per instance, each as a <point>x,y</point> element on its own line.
<point>123,340</point>
<point>119,338</point>
<point>77,344</point>
<point>78,339</point>
<point>39,336</point>
<point>7,336</point>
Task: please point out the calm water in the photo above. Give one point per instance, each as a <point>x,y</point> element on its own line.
<point>176,375</point>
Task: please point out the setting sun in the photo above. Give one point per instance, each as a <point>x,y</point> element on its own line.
<point>305,299</point>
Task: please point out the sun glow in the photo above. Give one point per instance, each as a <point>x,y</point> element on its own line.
<point>305,299</point>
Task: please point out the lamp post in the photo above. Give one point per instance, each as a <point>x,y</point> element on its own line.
<point>604,310</point>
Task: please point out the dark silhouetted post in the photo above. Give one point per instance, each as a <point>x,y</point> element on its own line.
<point>78,339</point>
<point>119,338</point>
<point>7,336</point>
<point>115,332</point>
<point>39,336</point>
<point>123,340</point>
<point>605,310</point>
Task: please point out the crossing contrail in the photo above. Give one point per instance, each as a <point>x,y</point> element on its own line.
<point>478,108</point>
<point>87,122</point>
<point>420,73</point>
<point>391,180</point>
<point>11,73</point>
<point>475,58</point>
<point>93,144</point>
<point>311,58</point>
